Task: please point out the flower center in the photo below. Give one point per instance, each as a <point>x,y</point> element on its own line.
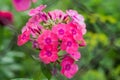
<point>17,1</point>
<point>67,67</point>
<point>61,31</point>
<point>48,53</point>
<point>73,31</point>
<point>69,43</point>
<point>48,40</point>
<point>24,36</point>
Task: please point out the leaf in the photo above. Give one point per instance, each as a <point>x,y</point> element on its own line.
<point>46,69</point>
<point>22,79</point>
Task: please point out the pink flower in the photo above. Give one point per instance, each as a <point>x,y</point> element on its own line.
<point>23,38</point>
<point>75,55</point>
<point>37,10</point>
<point>6,18</point>
<point>60,30</point>
<point>77,18</point>
<point>74,31</point>
<point>69,69</point>
<point>69,44</point>
<point>56,15</point>
<point>22,5</point>
<point>47,38</point>
<point>48,54</point>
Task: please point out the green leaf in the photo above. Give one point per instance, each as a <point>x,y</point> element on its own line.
<point>46,69</point>
<point>22,79</point>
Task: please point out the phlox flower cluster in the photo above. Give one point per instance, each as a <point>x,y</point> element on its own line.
<point>53,32</point>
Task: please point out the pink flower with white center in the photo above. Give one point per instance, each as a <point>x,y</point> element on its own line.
<point>77,18</point>
<point>37,10</point>
<point>56,15</point>
<point>68,69</point>
<point>75,55</point>
<point>22,5</point>
<point>48,54</point>
<point>23,38</point>
<point>60,30</point>
<point>69,44</point>
<point>47,38</point>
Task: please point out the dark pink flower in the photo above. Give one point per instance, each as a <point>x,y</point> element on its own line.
<point>60,30</point>
<point>23,38</point>
<point>47,38</point>
<point>69,44</point>
<point>68,69</point>
<point>74,31</point>
<point>6,18</point>
<point>48,54</point>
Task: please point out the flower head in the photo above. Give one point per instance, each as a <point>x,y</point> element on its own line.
<point>54,32</point>
<point>69,44</point>
<point>60,30</point>
<point>47,38</point>
<point>48,54</point>
<point>78,19</point>
<point>69,68</point>
<point>23,38</point>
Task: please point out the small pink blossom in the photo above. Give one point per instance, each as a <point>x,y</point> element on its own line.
<point>75,55</point>
<point>36,10</point>
<point>69,44</point>
<point>77,18</point>
<point>60,30</point>
<point>47,38</point>
<point>48,54</point>
<point>74,31</point>
<point>23,38</point>
<point>69,69</point>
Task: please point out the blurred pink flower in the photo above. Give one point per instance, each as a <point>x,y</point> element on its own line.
<point>37,10</point>
<point>6,17</point>
<point>60,30</point>
<point>47,38</point>
<point>69,69</point>
<point>23,38</point>
<point>22,5</point>
<point>78,19</point>
<point>68,44</point>
<point>48,54</point>
<point>75,55</point>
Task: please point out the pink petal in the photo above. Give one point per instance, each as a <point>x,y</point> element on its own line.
<point>21,5</point>
<point>34,1</point>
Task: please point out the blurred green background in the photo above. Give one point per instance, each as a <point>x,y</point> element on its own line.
<point>100,58</point>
